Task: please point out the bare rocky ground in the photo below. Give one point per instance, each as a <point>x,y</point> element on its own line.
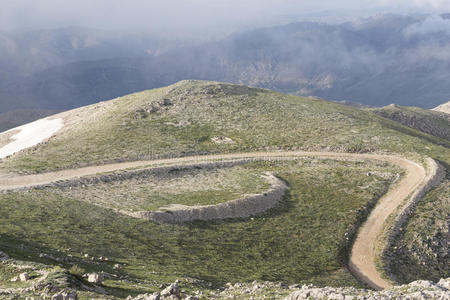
<point>37,281</point>
<point>421,289</point>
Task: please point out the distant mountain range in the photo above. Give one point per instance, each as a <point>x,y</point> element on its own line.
<point>375,61</point>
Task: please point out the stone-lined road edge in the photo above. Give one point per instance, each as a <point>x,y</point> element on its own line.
<point>362,258</point>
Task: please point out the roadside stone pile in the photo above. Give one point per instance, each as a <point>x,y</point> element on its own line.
<point>240,208</point>
<point>146,173</point>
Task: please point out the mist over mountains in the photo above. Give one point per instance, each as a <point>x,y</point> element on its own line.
<point>375,61</point>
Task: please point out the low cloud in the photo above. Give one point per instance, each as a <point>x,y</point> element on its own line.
<point>191,17</point>
<point>432,24</point>
<point>436,6</point>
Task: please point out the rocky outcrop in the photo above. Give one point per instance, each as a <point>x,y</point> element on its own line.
<point>415,290</point>
<point>240,208</point>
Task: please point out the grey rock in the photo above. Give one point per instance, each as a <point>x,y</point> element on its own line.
<point>65,295</point>
<point>171,290</point>
<point>3,256</point>
<point>421,289</point>
<point>154,296</point>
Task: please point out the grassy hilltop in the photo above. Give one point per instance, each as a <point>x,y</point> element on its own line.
<point>303,240</point>
<point>183,119</point>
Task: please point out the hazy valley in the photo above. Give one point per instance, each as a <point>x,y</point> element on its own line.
<point>375,61</point>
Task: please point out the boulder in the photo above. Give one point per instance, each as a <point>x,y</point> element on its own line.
<point>95,278</point>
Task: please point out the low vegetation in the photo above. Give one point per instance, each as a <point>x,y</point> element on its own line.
<point>300,241</point>
<point>183,119</point>
<point>303,240</point>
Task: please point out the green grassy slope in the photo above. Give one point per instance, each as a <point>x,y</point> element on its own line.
<point>431,122</point>
<point>300,241</point>
<point>183,118</point>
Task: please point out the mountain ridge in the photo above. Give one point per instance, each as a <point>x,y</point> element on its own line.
<point>377,61</point>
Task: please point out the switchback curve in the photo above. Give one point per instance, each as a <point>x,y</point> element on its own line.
<point>362,259</point>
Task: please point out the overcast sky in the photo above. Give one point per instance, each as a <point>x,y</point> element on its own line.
<point>182,16</point>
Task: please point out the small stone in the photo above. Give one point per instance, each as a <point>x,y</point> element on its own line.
<point>283,285</point>
<point>167,102</point>
<point>95,278</point>
<point>24,276</point>
<point>154,296</point>
<point>172,289</point>
<point>3,256</point>
<point>58,296</point>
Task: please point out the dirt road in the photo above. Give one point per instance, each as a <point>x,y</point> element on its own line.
<point>362,260</point>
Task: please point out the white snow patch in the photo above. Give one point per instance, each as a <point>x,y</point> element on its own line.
<point>30,135</point>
